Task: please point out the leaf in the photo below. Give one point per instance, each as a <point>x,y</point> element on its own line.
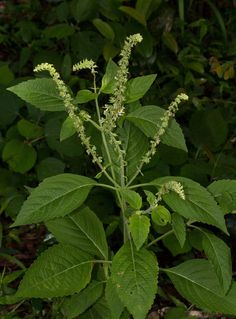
<point>68,129</point>
<point>160,215</point>
<point>29,130</point>
<point>113,300</point>
<point>104,28</point>
<point>137,87</point>
<point>48,167</point>
<point>78,303</point>
<point>58,31</point>
<point>56,196</point>
<point>132,198</point>
<point>9,107</point>
<point>179,228</point>
<point>84,96</point>
<point>219,255</point>
<point>135,145</point>
<point>84,10</point>
<point>134,274</point>
<point>198,205</point>
<point>100,310</point>
<point>137,15</point>
<point>108,80</point>
<point>81,229</point>
<point>41,93</point>
<point>174,247</point>
<point>139,226</point>
<point>196,281</point>
<point>6,75</point>
<point>59,271</point>
<point>224,192</point>
<point>148,120</point>
<point>20,156</point>
<point>170,42</point>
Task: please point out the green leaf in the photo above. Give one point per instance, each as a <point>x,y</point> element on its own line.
<point>224,192</point>
<point>196,281</point>
<point>81,229</point>
<point>134,274</point>
<point>67,129</point>
<point>160,215</point>
<point>135,14</point>
<point>29,130</point>
<point>139,226</point>
<point>179,228</point>
<point>113,300</point>
<point>84,10</point>
<point>100,310</point>
<point>132,198</point>
<point>58,31</point>
<point>84,96</point>
<point>219,255</point>
<point>41,93</point>
<point>20,156</point>
<point>78,303</point>
<point>48,167</point>
<point>208,128</point>
<point>56,196</point>
<point>135,145</point>
<point>198,205</point>
<point>6,75</point>
<point>137,87</point>
<point>174,247</point>
<point>104,28</point>
<point>59,271</point>
<point>108,80</point>
<point>148,120</point>
<point>151,198</point>
<point>9,107</point>
<point>170,42</point>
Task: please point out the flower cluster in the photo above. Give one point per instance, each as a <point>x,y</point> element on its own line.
<point>170,186</point>
<point>115,108</point>
<point>71,109</point>
<point>170,113</point>
<point>85,64</point>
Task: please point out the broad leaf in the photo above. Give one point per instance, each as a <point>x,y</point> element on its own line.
<point>20,156</point>
<point>139,226</point>
<point>67,129</point>
<point>134,274</point>
<point>108,80</point>
<point>100,310</point>
<point>137,15</point>
<point>84,96</point>
<point>179,228</point>
<point>219,255</point>
<point>224,192</point>
<point>29,130</point>
<point>78,303</point>
<point>132,198</point>
<point>148,120</point>
<point>59,271</point>
<point>81,229</point>
<point>113,300</point>
<point>104,28</point>
<point>56,196</point>
<point>138,87</point>
<point>41,93</point>
<point>196,281</point>
<point>198,205</point>
<point>135,145</point>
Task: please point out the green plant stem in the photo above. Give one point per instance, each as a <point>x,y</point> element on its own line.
<point>120,199</point>
<point>140,185</point>
<point>160,237</point>
<point>107,186</point>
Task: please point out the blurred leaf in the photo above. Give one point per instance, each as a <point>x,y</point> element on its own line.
<point>58,31</point>
<point>20,156</point>
<point>135,14</point>
<point>29,130</point>
<point>48,167</point>
<point>104,28</point>
<point>108,80</point>
<point>170,42</point>
<point>67,129</point>
<point>6,75</point>
<point>84,96</point>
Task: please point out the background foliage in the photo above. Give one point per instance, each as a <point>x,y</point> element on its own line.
<point>191,45</point>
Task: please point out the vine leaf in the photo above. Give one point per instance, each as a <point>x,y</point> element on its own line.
<point>55,197</point>
<point>59,271</point>
<point>134,274</point>
<point>196,281</point>
<point>81,229</point>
